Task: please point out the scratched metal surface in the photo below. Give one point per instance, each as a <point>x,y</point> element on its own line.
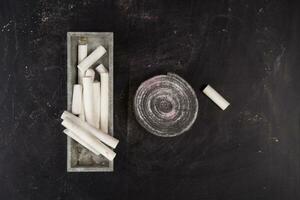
<point>248,50</point>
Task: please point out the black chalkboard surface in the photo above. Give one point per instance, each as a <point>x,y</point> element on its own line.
<point>247,50</point>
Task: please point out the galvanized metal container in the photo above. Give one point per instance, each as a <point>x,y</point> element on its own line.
<point>80,159</point>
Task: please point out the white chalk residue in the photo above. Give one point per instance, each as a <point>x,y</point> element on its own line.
<point>6,26</point>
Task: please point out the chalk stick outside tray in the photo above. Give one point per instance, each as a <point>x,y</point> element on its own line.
<point>216,97</point>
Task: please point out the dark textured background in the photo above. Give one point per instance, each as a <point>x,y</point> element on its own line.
<point>247,50</point>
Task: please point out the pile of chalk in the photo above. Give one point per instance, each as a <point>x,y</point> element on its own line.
<point>88,123</point>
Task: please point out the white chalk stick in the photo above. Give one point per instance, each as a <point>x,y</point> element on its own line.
<point>82,50</point>
<point>91,73</point>
<point>88,100</point>
<point>216,97</point>
<point>92,58</point>
<point>96,90</point>
<point>104,96</point>
<point>77,99</point>
<point>80,141</point>
<point>105,138</point>
<point>82,54</point>
<point>89,139</point>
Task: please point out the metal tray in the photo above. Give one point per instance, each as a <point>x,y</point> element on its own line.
<point>80,159</point>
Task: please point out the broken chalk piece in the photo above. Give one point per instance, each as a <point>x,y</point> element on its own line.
<point>77,99</point>
<point>216,97</point>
